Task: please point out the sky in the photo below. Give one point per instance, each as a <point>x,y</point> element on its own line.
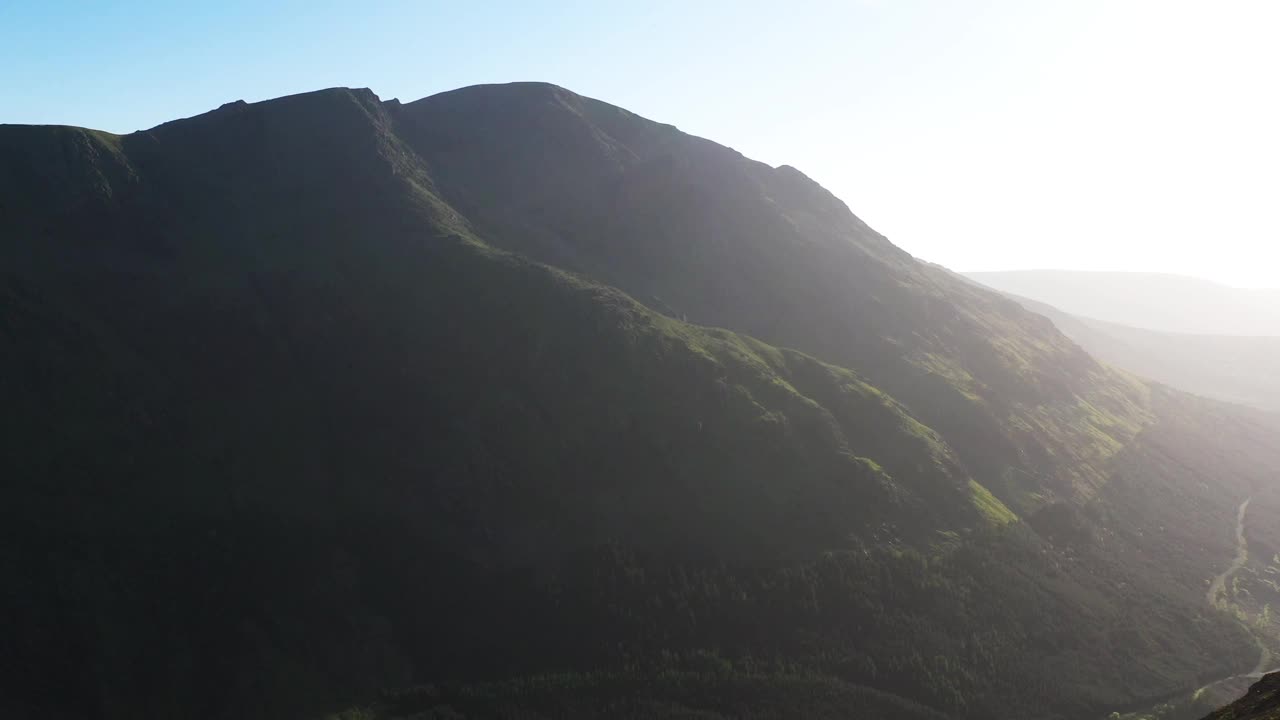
<point>1134,135</point>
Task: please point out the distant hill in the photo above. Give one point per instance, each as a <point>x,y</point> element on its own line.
<point>509,402</point>
<point>1239,369</point>
<point>1165,303</point>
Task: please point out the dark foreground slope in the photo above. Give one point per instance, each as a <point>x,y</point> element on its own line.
<point>1262,702</point>
<point>321,396</point>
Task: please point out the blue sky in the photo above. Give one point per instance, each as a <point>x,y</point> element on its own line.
<point>986,134</point>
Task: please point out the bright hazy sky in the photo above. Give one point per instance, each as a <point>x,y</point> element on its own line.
<point>1080,134</point>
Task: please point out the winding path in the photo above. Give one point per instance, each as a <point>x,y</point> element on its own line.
<point>1214,597</point>
<point>1219,584</point>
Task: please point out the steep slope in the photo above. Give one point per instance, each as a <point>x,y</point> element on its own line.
<point>702,233</point>
<point>319,396</point>
<point>1151,301</point>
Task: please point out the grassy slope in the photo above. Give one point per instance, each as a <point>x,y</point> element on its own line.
<point>286,431</point>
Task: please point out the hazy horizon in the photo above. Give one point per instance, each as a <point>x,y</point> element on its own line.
<point>1152,301</point>
<point>1089,271</point>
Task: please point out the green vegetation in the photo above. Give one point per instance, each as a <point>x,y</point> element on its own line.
<point>991,508</point>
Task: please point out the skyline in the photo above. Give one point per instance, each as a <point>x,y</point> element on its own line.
<point>1129,136</point>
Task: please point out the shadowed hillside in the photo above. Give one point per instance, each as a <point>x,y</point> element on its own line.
<point>531,404</point>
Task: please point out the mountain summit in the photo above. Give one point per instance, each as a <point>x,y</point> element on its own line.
<point>529,404</point>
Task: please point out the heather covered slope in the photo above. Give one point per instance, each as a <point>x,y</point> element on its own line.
<point>315,397</point>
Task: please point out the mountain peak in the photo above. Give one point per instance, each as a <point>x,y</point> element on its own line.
<point>526,89</point>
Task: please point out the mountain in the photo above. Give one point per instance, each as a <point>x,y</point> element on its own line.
<point>511,402</point>
<point>1164,303</point>
<point>1262,702</point>
<point>1239,369</point>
